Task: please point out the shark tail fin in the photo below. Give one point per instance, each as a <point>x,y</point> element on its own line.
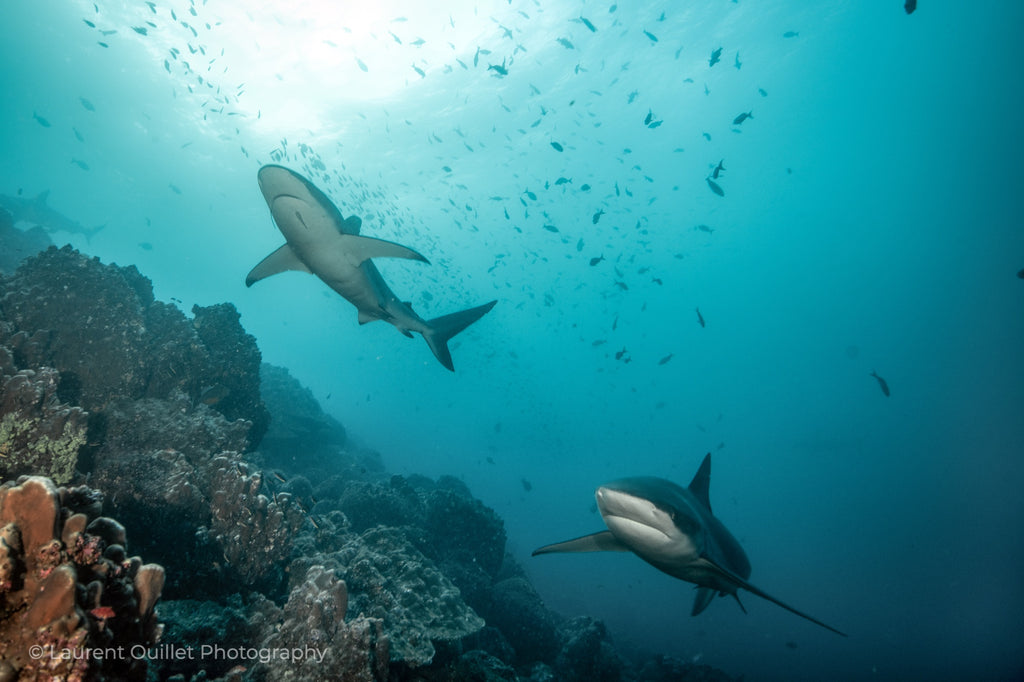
<point>442,329</point>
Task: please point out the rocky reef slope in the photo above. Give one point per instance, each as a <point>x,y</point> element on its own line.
<point>288,553</point>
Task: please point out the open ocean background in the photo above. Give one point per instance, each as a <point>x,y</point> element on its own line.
<point>871,221</point>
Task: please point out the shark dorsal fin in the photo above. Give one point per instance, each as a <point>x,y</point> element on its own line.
<point>702,482</point>
<point>351,225</point>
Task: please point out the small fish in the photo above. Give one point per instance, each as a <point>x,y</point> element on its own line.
<point>620,355</point>
<point>704,228</point>
<point>89,23</point>
<point>762,92</point>
<point>597,216</point>
<point>174,188</point>
<point>40,120</point>
<point>562,181</point>
<point>527,486</point>
<point>654,124</point>
<point>152,6</point>
<point>910,6</point>
<point>597,259</point>
<point>586,22</point>
<point>361,65</point>
<point>531,195</point>
<point>737,63</point>
<point>700,318</point>
<point>551,228</point>
<point>790,34</point>
<point>585,187</point>
<point>87,104</point>
<point>78,135</point>
<point>81,164</point>
<point>420,71</point>
<point>566,44</point>
<point>500,70</point>
<point>652,37</point>
<point>715,188</point>
<point>280,477</point>
<point>716,56</point>
<point>665,359</point>
<point>214,394</point>
<point>556,146</point>
<point>718,169</point>
<point>102,612</point>
<point>649,117</point>
<point>742,117</point>
<point>1020,273</point>
<point>102,44</point>
<point>141,30</point>
<point>707,136</point>
<point>881,383</point>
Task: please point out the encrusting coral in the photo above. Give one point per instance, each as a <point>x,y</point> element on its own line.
<point>68,588</point>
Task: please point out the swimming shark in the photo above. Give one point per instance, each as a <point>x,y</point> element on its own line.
<point>673,529</point>
<point>37,212</point>
<point>318,240</point>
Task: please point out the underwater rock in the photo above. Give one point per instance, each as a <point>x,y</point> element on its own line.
<point>391,580</point>
<point>231,381</point>
<point>531,628</point>
<point>588,655</point>
<point>38,433</point>
<point>668,669</point>
<point>101,328</point>
<point>191,624</point>
<point>205,518</point>
<point>301,436</point>
<point>63,588</point>
<point>312,621</point>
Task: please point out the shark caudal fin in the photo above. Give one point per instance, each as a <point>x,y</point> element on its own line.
<point>442,329</point>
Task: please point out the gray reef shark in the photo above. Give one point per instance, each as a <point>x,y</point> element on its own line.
<point>36,211</point>
<point>673,529</point>
<point>319,241</point>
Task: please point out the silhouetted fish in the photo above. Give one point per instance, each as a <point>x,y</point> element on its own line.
<point>716,56</point>
<point>910,6</point>
<point>715,188</point>
<point>881,383</point>
<point>700,318</point>
<point>742,117</point>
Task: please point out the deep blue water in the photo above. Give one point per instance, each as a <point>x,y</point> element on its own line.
<point>871,221</point>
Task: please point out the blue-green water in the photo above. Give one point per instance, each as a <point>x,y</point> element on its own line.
<point>871,221</point>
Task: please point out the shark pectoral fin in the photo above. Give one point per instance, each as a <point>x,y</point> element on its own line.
<point>596,542</point>
<point>364,317</point>
<point>701,601</point>
<point>361,249</point>
<point>740,582</point>
<point>279,261</point>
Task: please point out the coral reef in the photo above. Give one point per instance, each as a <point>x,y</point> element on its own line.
<point>100,328</point>
<point>38,433</point>
<point>312,622</point>
<point>67,586</point>
<point>301,437</point>
<point>278,535</point>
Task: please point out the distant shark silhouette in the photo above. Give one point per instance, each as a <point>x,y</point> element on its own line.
<point>673,529</point>
<point>37,212</point>
<point>319,241</point>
